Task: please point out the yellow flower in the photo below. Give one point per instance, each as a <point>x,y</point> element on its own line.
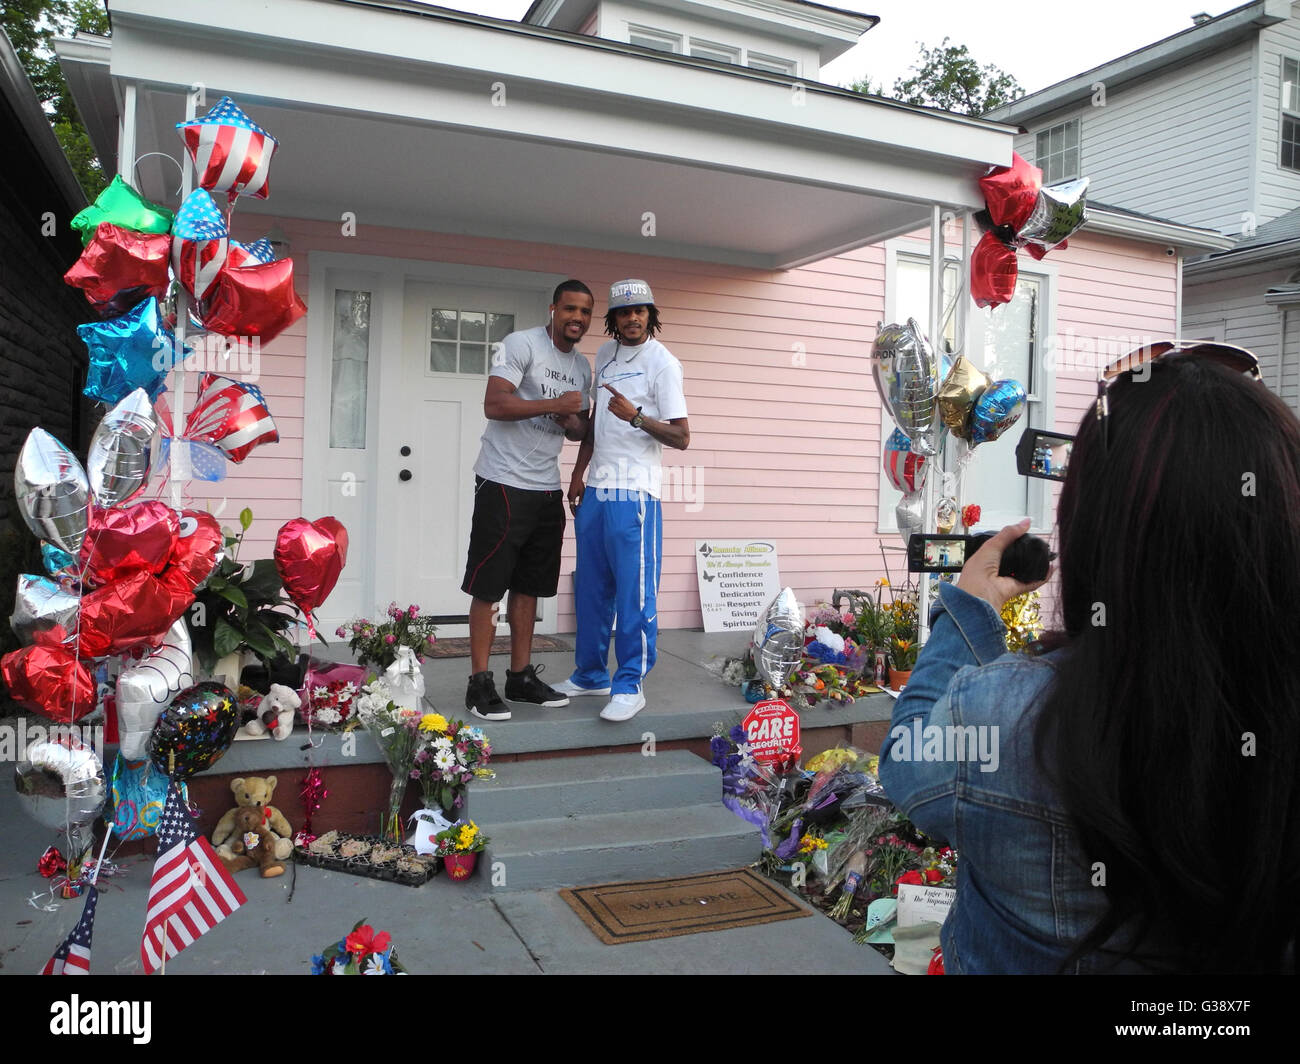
<point>466,839</point>
<point>433,722</point>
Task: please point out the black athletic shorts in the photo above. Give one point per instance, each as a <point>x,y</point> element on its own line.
<point>514,542</point>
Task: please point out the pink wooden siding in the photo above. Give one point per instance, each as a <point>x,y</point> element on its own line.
<point>784,426</point>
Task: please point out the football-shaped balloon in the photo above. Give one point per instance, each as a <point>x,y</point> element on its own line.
<point>195,730</point>
<point>309,556</point>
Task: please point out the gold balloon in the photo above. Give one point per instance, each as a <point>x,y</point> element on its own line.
<point>957,396</point>
<point>945,515</point>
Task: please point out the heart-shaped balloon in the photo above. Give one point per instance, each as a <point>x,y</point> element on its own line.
<point>309,556</point>
<point>135,611</point>
<point>198,546</point>
<point>49,680</point>
<point>127,539</point>
<point>904,467</point>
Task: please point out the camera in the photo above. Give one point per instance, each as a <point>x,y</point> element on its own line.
<point>1027,559</point>
<point>1044,455</point>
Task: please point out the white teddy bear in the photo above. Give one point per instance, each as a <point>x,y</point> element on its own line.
<point>274,714</point>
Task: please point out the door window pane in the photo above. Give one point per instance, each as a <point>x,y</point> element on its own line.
<point>350,369</point>
<point>460,340</point>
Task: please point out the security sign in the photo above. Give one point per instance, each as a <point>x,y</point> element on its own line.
<point>772,728</point>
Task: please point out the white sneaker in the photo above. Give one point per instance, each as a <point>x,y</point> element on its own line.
<point>568,687</point>
<point>623,707</point>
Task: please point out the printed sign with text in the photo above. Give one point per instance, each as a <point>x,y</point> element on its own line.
<point>737,579</point>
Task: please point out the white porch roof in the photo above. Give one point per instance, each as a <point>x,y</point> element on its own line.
<point>425,118</point>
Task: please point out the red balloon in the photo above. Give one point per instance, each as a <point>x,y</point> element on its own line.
<point>254,301</point>
<point>309,556</point>
<point>51,681</point>
<point>120,268</point>
<point>1010,192</point>
<point>194,555</point>
<point>132,612</point>
<point>993,272</point>
<point>127,539</point>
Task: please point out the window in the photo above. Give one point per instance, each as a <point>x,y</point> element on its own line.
<point>1056,151</point>
<point>645,37</point>
<point>461,340</point>
<point>772,64</point>
<point>1290,153</point>
<point>719,53</point>
<point>1005,344</point>
<point>350,368</point>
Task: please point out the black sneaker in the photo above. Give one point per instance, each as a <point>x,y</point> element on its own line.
<point>482,700</point>
<point>524,686</point>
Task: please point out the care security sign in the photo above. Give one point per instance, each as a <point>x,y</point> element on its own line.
<point>737,578</point>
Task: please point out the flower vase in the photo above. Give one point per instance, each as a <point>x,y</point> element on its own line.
<point>392,827</point>
<point>460,866</point>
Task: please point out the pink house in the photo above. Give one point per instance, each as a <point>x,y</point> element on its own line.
<point>439,172</point>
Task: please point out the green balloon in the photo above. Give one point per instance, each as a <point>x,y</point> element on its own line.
<point>123,206</point>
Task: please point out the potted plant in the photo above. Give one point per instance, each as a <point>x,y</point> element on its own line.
<point>459,847</point>
<point>902,657</point>
<point>242,610</point>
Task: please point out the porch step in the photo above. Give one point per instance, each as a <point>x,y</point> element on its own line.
<point>559,787</point>
<point>610,847</point>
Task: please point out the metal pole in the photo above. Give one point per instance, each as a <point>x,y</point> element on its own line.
<point>928,492</point>
<point>178,476</point>
<point>126,136</point>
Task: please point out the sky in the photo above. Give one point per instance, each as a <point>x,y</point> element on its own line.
<point>1051,41</point>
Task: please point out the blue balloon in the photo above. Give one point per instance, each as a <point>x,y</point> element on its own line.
<point>996,410</point>
<point>57,562</point>
<point>134,351</point>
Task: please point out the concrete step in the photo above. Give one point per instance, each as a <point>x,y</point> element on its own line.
<point>603,783</point>
<point>610,847</point>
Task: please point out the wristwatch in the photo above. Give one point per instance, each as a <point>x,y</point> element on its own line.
<point>637,419</point>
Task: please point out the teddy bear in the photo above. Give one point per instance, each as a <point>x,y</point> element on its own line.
<point>274,714</point>
<point>253,845</point>
<point>254,792</point>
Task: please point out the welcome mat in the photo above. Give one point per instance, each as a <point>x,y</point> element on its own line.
<point>459,648</point>
<point>662,908</point>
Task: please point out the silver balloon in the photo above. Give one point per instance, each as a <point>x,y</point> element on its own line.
<point>1059,212</point>
<point>123,450</point>
<point>907,377</point>
<point>147,688</point>
<point>52,490</point>
<point>41,605</point>
<point>909,516</point>
<point>778,639</point>
<point>61,781</point>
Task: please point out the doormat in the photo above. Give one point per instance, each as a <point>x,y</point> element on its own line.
<point>662,908</point>
<point>459,648</point>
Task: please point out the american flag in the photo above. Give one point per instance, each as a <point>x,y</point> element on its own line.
<point>200,244</point>
<point>231,153</point>
<point>191,892</point>
<point>73,955</point>
<point>231,414</point>
<point>259,251</point>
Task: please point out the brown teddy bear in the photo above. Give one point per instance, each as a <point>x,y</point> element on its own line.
<point>254,792</point>
<point>254,845</point>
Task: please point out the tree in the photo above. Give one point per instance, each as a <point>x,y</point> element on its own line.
<point>32,26</point>
<point>948,77</point>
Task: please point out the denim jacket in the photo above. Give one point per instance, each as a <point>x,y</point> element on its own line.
<point>1024,886</point>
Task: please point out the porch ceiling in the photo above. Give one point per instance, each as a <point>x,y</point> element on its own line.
<point>455,123</point>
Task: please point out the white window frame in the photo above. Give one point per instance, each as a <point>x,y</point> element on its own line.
<point>771,64</point>
<point>672,42</point>
<point>1290,112</point>
<point>1040,409</point>
<point>719,53</point>
<point>1045,159</point>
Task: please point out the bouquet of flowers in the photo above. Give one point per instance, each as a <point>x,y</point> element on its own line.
<point>332,705</point>
<point>379,642</point>
<point>450,755</point>
<point>461,837</point>
<point>754,792</point>
<point>397,732</point>
<point>363,952</point>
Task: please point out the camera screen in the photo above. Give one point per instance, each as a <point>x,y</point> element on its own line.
<point>945,553</point>
<point>1044,455</point>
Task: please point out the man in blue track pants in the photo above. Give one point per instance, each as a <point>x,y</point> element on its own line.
<point>638,407</point>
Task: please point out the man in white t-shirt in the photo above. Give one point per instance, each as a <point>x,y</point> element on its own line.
<point>638,407</point>
<point>536,398</point>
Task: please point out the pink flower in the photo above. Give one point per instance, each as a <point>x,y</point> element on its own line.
<point>413,611</point>
<point>431,640</point>
<point>340,631</point>
<point>390,639</point>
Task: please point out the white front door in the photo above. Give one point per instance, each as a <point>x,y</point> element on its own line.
<point>427,449</point>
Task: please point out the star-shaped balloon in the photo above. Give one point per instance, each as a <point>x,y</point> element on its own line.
<point>254,301</point>
<point>259,251</point>
<point>231,153</point>
<point>121,267</point>
<point>123,206</point>
<point>133,351</point>
<point>200,244</point>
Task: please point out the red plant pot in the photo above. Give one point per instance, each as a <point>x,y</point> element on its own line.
<point>460,865</point>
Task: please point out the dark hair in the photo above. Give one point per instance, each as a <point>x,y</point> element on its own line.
<point>1172,729</point>
<point>571,285</point>
<point>652,326</point>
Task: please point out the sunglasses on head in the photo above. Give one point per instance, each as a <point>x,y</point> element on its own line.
<point>1046,455</point>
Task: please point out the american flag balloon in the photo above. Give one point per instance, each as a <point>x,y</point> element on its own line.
<point>231,153</point>
<point>200,244</point>
<point>259,252</point>
<point>231,414</point>
<point>903,466</point>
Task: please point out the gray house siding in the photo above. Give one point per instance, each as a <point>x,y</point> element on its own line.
<point>1173,146</point>
<point>1278,188</point>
